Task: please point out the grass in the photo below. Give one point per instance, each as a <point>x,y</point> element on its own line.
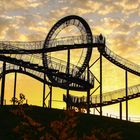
<point>85,123</point>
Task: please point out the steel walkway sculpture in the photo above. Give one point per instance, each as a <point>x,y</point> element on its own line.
<point>34,59</point>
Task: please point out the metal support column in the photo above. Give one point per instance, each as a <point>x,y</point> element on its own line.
<point>15,84</point>
<point>3,83</point>
<point>68,67</point>
<point>44,90</point>
<point>120,110</point>
<point>50,103</point>
<point>100,84</point>
<point>94,111</point>
<point>126,88</point>
<point>88,92</point>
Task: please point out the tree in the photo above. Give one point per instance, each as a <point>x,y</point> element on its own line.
<point>14,100</point>
<point>19,101</point>
<point>22,98</point>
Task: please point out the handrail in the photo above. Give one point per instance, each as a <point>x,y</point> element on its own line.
<point>57,64</point>
<point>70,40</point>
<point>122,61</point>
<point>34,45</point>
<point>61,66</point>
<point>120,93</point>
<point>109,96</point>
<point>17,45</point>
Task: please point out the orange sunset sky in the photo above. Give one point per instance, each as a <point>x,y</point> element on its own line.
<point>118,21</point>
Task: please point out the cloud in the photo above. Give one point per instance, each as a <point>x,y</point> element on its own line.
<point>21,5</point>
<point>35,37</point>
<point>125,45</point>
<point>128,6</point>
<point>10,5</point>
<point>79,7</point>
<point>110,22</point>
<point>34,18</point>
<point>106,9</point>
<point>4,23</point>
<point>12,28</point>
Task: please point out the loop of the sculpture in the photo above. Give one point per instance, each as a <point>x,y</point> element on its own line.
<point>84,28</point>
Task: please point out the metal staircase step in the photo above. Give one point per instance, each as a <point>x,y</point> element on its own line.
<point>41,67</point>
<point>31,64</point>
<point>26,62</point>
<point>52,70</point>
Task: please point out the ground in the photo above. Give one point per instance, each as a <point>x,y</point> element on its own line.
<point>37,123</point>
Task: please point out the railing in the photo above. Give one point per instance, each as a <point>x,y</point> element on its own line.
<point>72,40</point>
<point>16,67</point>
<point>34,45</point>
<point>61,66</point>
<point>131,117</point>
<point>116,94</point>
<point>9,67</point>
<point>123,61</point>
<point>31,58</point>
<point>109,96</point>
<point>57,64</point>
<point>17,45</point>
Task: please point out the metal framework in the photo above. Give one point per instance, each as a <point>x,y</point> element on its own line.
<point>34,59</point>
<point>52,42</point>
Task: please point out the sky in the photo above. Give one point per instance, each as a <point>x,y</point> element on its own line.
<point>117,20</point>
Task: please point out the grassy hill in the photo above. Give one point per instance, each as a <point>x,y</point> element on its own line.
<point>36,123</point>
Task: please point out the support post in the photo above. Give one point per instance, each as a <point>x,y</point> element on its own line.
<point>120,110</point>
<point>50,103</point>
<point>100,84</point>
<point>94,111</point>
<point>15,83</point>
<point>3,83</point>
<point>88,92</point>
<point>68,67</point>
<point>126,90</point>
<point>44,90</point>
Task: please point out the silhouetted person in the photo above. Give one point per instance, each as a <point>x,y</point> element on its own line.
<point>101,37</point>
<point>20,68</point>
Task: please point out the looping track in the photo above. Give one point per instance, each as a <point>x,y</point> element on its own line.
<point>55,44</point>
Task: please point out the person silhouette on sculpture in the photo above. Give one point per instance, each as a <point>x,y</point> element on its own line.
<point>101,37</point>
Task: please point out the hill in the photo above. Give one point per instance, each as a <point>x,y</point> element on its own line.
<point>37,123</point>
